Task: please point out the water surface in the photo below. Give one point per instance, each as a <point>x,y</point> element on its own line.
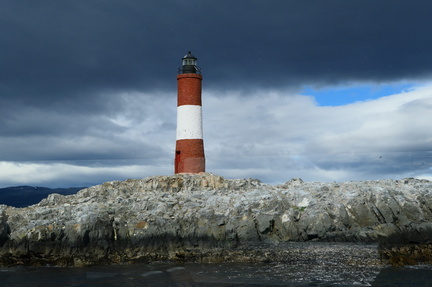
<point>226,274</point>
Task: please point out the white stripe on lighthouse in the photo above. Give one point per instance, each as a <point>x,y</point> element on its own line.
<point>189,122</point>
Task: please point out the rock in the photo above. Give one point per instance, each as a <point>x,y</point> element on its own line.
<point>205,217</point>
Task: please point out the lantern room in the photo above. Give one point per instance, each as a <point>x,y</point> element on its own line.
<point>189,65</point>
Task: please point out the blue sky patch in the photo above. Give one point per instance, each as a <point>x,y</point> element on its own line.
<point>343,95</point>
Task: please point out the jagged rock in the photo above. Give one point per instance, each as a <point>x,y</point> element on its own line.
<point>205,217</point>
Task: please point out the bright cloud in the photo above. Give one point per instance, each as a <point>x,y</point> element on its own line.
<point>269,135</point>
<point>63,174</point>
<point>292,136</point>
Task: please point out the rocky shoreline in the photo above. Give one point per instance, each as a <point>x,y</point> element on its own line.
<point>207,218</point>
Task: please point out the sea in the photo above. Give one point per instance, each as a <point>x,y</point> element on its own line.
<point>217,274</point>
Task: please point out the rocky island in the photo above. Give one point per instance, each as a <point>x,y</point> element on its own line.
<point>207,218</point>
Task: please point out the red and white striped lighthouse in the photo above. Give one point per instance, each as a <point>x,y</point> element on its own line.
<point>189,153</point>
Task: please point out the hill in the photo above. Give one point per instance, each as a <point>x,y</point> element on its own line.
<point>22,196</point>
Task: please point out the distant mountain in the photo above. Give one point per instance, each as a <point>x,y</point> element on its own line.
<point>22,196</point>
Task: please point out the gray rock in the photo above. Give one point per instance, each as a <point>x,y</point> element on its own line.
<point>205,217</point>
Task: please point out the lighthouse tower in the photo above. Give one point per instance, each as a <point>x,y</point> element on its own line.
<point>189,153</point>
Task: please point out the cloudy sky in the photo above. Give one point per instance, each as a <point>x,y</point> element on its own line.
<point>329,90</point>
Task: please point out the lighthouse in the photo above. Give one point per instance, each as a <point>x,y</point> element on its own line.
<point>189,152</point>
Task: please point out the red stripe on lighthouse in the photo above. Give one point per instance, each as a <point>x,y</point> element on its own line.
<point>189,156</point>
<point>189,89</point>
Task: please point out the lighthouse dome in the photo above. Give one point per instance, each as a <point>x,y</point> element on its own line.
<point>189,59</point>
<point>189,55</point>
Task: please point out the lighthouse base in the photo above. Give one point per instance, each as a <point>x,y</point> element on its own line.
<point>189,156</point>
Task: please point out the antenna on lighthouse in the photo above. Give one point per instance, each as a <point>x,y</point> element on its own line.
<point>189,154</point>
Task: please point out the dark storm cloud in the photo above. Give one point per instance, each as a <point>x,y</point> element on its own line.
<point>53,50</point>
<point>90,80</point>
